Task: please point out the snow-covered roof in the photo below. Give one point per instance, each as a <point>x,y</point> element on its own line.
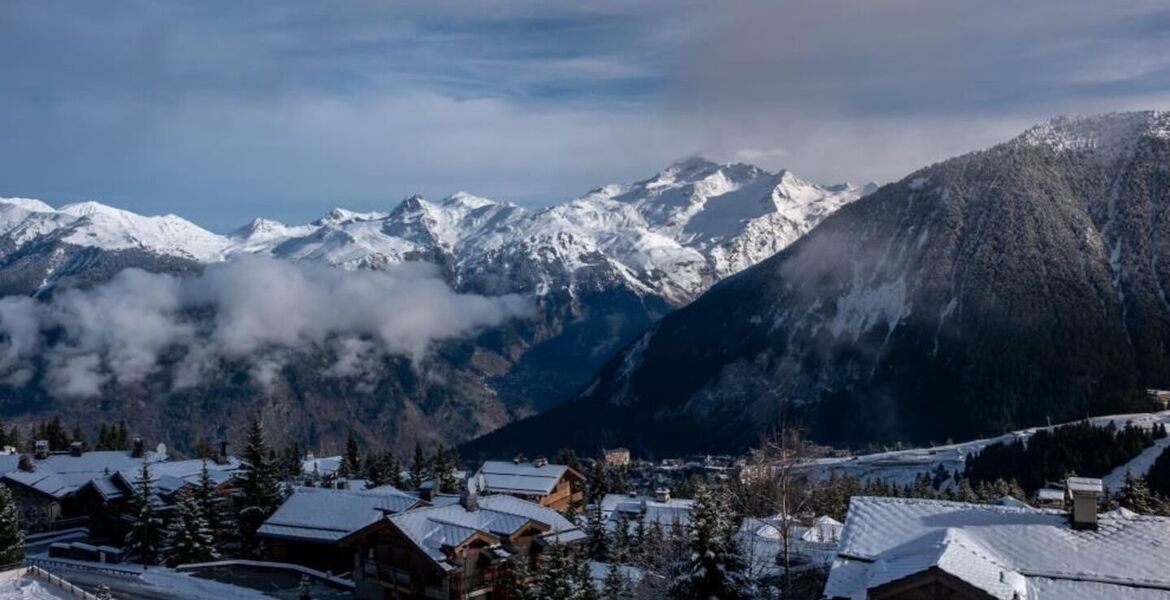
<point>325,515</point>
<point>42,481</point>
<point>521,478</point>
<point>996,548</point>
<point>666,514</point>
<point>432,528</point>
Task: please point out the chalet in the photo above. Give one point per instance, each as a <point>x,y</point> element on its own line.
<point>306,529</point>
<point>912,548</point>
<point>458,550</point>
<point>554,486</point>
<point>660,508</point>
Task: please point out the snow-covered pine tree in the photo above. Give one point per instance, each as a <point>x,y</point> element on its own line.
<point>146,532</point>
<point>1135,495</point>
<point>209,503</point>
<point>615,585</point>
<point>620,540</point>
<point>103,592</point>
<point>583,578</point>
<point>518,580</point>
<point>11,537</point>
<point>305,589</point>
<point>713,566</point>
<point>556,579</point>
<point>189,538</point>
<point>596,544</point>
<point>261,489</point>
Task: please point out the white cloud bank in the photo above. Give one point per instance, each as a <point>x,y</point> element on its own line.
<point>254,310</point>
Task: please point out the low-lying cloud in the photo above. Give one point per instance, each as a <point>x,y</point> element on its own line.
<point>255,311</point>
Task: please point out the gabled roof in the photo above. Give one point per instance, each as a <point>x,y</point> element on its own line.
<point>46,483</point>
<point>666,514</point>
<point>523,478</point>
<point>1001,550</point>
<point>324,515</point>
<point>433,528</point>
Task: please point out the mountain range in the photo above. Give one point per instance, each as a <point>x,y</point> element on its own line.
<point>1005,288</point>
<point>599,269</point>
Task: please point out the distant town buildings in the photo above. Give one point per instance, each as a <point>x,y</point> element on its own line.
<point>617,457</point>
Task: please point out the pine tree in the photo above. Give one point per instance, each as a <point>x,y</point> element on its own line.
<point>261,491</point>
<point>418,467</point>
<point>446,463</point>
<point>391,469</point>
<point>209,503</point>
<point>597,543</point>
<point>598,482</point>
<point>11,537</point>
<point>519,580</point>
<point>1135,496</point>
<point>143,539</point>
<point>351,462</point>
<point>615,586</point>
<point>189,539</point>
<point>103,592</point>
<point>582,578</point>
<point>713,566</point>
<point>619,541</point>
<point>556,579</point>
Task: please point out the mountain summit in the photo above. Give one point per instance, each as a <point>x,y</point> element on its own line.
<point>982,294</point>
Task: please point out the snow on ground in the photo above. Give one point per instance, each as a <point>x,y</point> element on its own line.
<point>132,582</point>
<point>14,585</point>
<point>903,466</point>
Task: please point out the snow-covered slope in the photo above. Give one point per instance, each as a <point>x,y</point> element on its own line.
<point>671,235</point>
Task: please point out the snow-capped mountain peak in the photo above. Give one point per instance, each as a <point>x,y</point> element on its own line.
<point>1109,135</point>
<point>671,235</point>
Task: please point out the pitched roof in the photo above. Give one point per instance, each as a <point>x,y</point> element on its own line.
<point>1006,551</point>
<point>324,515</point>
<point>45,482</point>
<point>522,478</point>
<point>432,528</point>
<point>666,514</point>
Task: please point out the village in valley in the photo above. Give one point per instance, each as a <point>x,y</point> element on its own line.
<point>1079,510</point>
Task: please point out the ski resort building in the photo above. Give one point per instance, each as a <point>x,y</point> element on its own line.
<point>554,486</point>
<point>911,548</point>
<point>307,528</point>
<point>463,549</point>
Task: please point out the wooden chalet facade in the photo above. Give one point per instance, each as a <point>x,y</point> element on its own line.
<point>554,486</point>
<point>455,551</point>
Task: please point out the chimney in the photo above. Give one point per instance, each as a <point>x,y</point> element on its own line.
<point>75,449</point>
<point>539,462</point>
<point>469,496</point>
<point>25,463</point>
<point>1083,495</point>
<point>137,448</point>
<point>662,494</point>
<point>41,449</point>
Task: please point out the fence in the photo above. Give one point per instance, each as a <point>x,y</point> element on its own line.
<point>73,590</point>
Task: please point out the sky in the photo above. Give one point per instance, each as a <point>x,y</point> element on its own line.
<point>221,111</point>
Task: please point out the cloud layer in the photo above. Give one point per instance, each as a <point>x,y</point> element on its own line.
<point>285,109</point>
<point>255,311</point>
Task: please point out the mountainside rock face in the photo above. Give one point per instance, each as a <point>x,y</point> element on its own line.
<point>986,293</point>
<point>600,269</point>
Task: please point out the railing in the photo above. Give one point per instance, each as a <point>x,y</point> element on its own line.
<point>73,590</point>
<point>84,566</point>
